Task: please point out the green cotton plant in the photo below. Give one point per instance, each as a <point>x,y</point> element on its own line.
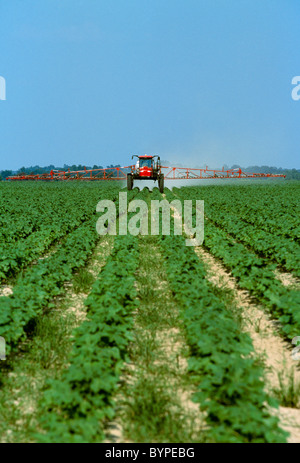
<point>78,404</point>
<point>230,390</point>
<point>41,217</point>
<point>281,249</point>
<point>18,255</point>
<point>257,278</point>
<point>253,273</point>
<point>273,208</point>
<point>35,290</point>
<point>229,386</point>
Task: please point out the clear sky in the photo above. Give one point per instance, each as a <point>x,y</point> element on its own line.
<point>196,81</point>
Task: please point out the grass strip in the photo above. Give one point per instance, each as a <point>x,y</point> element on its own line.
<point>154,398</point>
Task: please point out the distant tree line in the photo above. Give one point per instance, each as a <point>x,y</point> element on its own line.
<point>290,173</point>
<point>47,169</point>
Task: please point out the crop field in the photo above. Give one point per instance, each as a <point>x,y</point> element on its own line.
<point>126,338</point>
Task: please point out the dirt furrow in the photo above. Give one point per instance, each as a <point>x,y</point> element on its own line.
<point>154,402</point>
<point>287,279</point>
<point>6,290</point>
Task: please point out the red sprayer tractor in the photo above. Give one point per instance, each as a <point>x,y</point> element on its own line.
<point>146,168</point>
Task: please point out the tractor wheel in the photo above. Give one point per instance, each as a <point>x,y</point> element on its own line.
<point>161,183</point>
<point>129,182</point>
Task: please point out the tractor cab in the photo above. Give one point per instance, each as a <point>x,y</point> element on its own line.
<point>146,168</point>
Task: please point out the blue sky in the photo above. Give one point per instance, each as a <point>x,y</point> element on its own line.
<point>196,81</point>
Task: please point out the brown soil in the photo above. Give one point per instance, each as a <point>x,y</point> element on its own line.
<point>6,291</point>
<point>287,279</point>
<point>76,301</point>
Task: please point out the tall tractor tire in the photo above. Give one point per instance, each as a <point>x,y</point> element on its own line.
<point>161,181</point>
<point>129,182</point>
